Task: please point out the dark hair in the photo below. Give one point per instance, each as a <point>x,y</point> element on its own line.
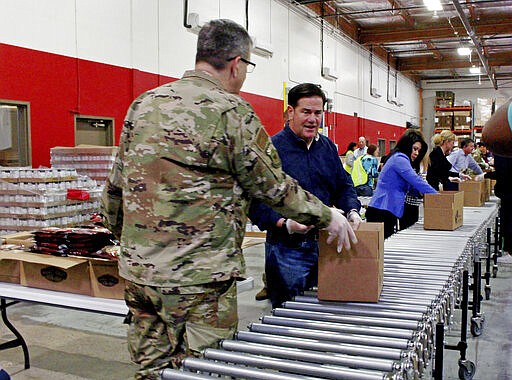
<point>404,145</point>
<point>371,149</point>
<point>465,142</point>
<point>350,146</point>
<point>480,144</point>
<point>220,41</point>
<point>305,90</point>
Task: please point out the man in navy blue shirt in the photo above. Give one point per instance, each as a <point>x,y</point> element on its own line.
<point>291,248</point>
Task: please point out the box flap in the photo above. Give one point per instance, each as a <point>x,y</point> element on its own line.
<point>444,199</point>
<point>35,258</point>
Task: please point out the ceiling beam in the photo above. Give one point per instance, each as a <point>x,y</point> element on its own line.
<point>427,63</point>
<point>382,36</point>
<point>476,41</point>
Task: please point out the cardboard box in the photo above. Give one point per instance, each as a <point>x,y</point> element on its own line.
<point>65,274</point>
<point>474,193</point>
<point>487,189</point>
<point>443,211</point>
<point>355,275</point>
<point>23,239</point>
<point>105,279</point>
<point>9,267</point>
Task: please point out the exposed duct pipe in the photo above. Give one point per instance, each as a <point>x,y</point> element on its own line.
<point>478,46</point>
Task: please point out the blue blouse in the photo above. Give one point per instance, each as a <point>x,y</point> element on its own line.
<point>395,179</point>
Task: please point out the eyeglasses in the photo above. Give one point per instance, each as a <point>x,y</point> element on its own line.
<point>250,66</point>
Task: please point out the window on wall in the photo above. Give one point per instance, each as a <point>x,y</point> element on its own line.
<point>392,144</point>
<point>14,134</point>
<point>382,147</point>
<point>90,130</point>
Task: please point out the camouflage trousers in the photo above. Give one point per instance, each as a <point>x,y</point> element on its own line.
<point>169,324</point>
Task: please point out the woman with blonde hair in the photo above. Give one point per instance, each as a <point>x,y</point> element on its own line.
<point>440,170</point>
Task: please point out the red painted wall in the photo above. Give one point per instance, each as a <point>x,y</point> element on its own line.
<point>58,88</point>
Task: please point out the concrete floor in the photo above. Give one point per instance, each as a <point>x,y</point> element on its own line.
<point>73,345</point>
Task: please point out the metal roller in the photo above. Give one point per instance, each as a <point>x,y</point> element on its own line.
<point>233,371</point>
<point>311,356</point>
<point>291,366</point>
<point>357,320</point>
<point>350,310</point>
<point>372,341</point>
<point>322,346</point>
<point>420,308</point>
<point>174,374</point>
<point>338,327</point>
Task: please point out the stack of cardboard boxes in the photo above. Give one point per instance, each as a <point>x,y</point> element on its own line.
<point>87,276</point>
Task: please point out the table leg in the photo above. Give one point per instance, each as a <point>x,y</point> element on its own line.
<point>19,341</point>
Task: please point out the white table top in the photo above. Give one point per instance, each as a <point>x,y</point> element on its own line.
<point>62,299</point>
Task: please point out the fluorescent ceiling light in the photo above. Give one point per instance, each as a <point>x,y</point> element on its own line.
<point>433,5</point>
<point>464,51</point>
<point>475,70</point>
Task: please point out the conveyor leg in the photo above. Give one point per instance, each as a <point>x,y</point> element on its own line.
<point>487,275</point>
<point>19,341</point>
<point>467,368</point>
<point>477,319</point>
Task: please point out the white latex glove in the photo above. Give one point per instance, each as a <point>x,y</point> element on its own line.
<point>355,219</point>
<point>464,177</point>
<point>479,177</point>
<point>454,179</point>
<point>294,227</point>
<point>340,228</point>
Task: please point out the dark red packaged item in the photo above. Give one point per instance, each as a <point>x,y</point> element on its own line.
<point>77,194</point>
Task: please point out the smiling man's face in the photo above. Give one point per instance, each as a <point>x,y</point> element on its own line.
<point>306,117</point>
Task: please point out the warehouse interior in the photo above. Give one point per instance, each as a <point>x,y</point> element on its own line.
<point>70,71</point>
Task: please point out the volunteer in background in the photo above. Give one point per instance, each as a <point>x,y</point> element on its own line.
<point>462,160</point>
<point>349,157</point>
<point>365,170</point>
<point>440,171</point>
<point>361,147</point>
<point>413,199</point>
<point>192,155</point>
<point>291,248</point>
<point>396,177</point>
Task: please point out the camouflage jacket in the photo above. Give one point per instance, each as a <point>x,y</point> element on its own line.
<point>191,156</point>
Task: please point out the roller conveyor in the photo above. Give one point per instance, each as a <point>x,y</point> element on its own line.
<point>392,339</point>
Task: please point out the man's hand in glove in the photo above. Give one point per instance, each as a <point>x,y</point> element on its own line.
<point>479,177</point>
<point>355,219</point>
<point>340,228</point>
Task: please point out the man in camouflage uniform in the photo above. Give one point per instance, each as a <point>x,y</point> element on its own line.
<point>192,154</point>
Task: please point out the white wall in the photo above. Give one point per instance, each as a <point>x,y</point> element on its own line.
<point>149,35</point>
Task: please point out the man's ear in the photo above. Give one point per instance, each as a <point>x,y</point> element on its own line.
<point>233,67</point>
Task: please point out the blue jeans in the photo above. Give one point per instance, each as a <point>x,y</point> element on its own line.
<point>290,271</point>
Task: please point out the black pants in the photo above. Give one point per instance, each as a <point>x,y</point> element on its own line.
<point>410,216</point>
<point>377,215</point>
<point>506,223</point>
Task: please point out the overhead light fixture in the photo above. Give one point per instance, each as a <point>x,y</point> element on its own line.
<point>475,70</point>
<point>463,50</point>
<point>433,5</point>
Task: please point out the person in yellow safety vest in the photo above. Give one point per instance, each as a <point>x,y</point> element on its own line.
<point>365,170</point>
<point>349,157</point>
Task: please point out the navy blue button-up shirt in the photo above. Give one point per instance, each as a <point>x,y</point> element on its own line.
<point>317,169</point>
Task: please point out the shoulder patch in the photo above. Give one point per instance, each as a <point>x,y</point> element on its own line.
<point>262,139</point>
